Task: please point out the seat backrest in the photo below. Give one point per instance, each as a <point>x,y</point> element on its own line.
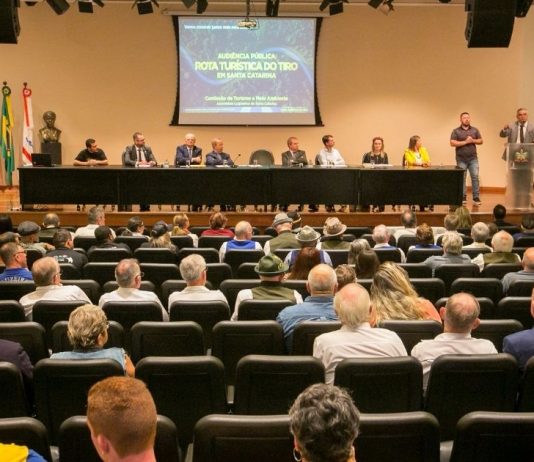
<point>183,338</point>
<point>235,257</point>
<point>412,332</point>
<point>459,384</point>
<point>246,271</point>
<point>519,288</point>
<point>358,231</point>
<point>235,340</point>
<point>525,402</point>
<point>338,257</point>
<point>417,270</point>
<point>299,285</point>
<point>217,273</point>
<point>108,255</point>
<point>282,253</point>
<point>420,255</point>
<point>155,255</point>
<point>473,252</point>
<point>498,270</point>
<point>170,286</point>
<point>261,157</point>
<point>75,441</point>
<point>182,241</point>
<point>30,335</point>
<point>110,286</point>
<point>61,387</point>
<point>384,254</point>
<point>515,308</point>
<point>479,287</point>
<point>269,384</point>
<point>84,242</point>
<point>11,311</point>
<point>231,287</point>
<point>397,381</point>
<point>212,242</point>
<point>99,272</point>
<point>405,241</point>
<point>487,307</point>
<point>158,273</point>
<point>209,254</point>
<point>223,438</point>
<point>258,310</point>
<point>60,338</point>
<point>402,437</point>
<point>89,286</point>
<point>13,401</point>
<point>305,333</point>
<point>495,330</point>
<point>134,242</point>
<point>185,389</point>
<point>48,312</point>
<point>205,313</point>
<point>465,239</point>
<point>451,271</point>
<point>129,313</point>
<point>525,241</point>
<point>494,436</point>
<point>430,288</point>
<point>14,290</point>
<point>26,431</point>
<point>69,271</point>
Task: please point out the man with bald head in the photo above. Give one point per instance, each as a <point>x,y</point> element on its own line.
<point>319,306</point>
<point>47,277</point>
<point>460,317</point>
<point>356,338</point>
<point>241,241</point>
<point>526,274</point>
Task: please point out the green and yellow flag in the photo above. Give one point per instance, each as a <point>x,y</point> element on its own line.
<point>6,134</point>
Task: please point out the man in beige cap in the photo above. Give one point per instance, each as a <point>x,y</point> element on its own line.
<point>307,237</point>
<point>333,231</point>
<point>271,271</point>
<point>283,226</point>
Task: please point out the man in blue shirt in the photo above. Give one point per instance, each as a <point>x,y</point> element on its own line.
<point>14,257</point>
<point>319,306</point>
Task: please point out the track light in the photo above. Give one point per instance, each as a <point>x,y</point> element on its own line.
<point>59,6</point>
<point>271,8</point>
<point>145,6</point>
<point>334,6</point>
<point>86,6</point>
<point>385,6</point>
<point>201,6</point>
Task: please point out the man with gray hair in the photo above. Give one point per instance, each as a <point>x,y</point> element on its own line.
<point>95,217</point>
<point>452,252</point>
<point>47,277</point>
<point>460,317</point>
<point>193,270</point>
<point>128,275</point>
<point>381,237</point>
<point>502,244</point>
<point>480,233</point>
<point>526,274</point>
<point>409,224</point>
<point>356,338</point>
<point>285,239</point>
<point>242,240</point>
<point>322,285</point>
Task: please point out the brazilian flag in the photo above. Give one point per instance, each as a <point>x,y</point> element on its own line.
<point>6,135</point>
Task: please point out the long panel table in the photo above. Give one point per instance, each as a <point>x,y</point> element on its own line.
<point>241,185</point>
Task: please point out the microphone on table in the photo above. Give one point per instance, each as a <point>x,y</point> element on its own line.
<point>235,165</point>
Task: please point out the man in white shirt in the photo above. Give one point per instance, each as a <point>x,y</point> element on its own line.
<point>356,338</point>
<point>47,277</point>
<point>460,317</point>
<point>193,271</point>
<point>381,237</point>
<point>128,275</point>
<point>480,233</point>
<point>95,217</point>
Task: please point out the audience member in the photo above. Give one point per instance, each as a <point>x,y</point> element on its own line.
<point>526,274</point>
<point>122,418</point>
<point>425,238</point>
<point>499,214</point>
<point>527,227</point>
<point>460,317</point>
<point>409,223</point>
<point>181,227</point>
<point>160,238</point>
<point>322,285</point>
<point>297,220</point>
<point>136,227</point>
<point>324,423</point>
<point>332,239</point>
<point>88,333</point>
<point>521,344</point>
<point>47,277</point>
<point>464,217</point>
<point>285,238</point>
<point>393,296</point>
<point>493,229</point>
<point>381,238</point>
<point>104,240</point>
<point>356,338</point>
<point>307,237</point>
<point>367,264</point>
<point>11,452</point>
<point>271,271</point>
<point>193,270</point>
<point>356,247</point>
<point>29,237</point>
<point>217,227</point>
<point>95,217</point>
<point>502,244</point>
<point>241,241</point>
<point>307,258</point>
<point>64,252</point>
<point>480,234</point>
<point>14,257</point>
<point>345,274</point>
<point>450,223</point>
<point>128,275</point>
<point>452,252</point>
<point>50,225</point>
<point>14,353</point>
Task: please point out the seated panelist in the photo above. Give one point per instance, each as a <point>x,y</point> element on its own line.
<point>188,153</point>
<point>217,156</point>
<point>91,155</point>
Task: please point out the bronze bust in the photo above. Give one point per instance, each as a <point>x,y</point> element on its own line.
<point>49,133</point>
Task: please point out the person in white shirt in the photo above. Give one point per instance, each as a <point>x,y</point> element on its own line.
<point>480,233</point>
<point>128,275</point>
<point>242,241</point>
<point>137,227</point>
<point>409,223</point>
<point>460,317</point>
<point>95,217</point>
<point>193,270</point>
<point>356,338</point>
<point>47,277</point>
<point>381,237</point>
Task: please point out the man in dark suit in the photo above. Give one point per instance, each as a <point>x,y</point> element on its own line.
<point>12,352</point>
<point>521,344</point>
<point>189,154</point>
<point>293,157</point>
<point>139,155</point>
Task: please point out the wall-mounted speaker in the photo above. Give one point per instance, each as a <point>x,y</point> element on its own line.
<point>9,21</point>
<point>490,23</point>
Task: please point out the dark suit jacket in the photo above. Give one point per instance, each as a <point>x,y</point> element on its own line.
<point>511,134</point>
<point>129,156</point>
<point>290,159</point>
<point>520,345</point>
<point>13,353</point>
<point>182,155</point>
<point>214,158</point>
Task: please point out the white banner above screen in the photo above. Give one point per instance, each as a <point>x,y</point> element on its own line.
<point>232,75</point>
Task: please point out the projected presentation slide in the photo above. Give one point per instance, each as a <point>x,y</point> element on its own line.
<point>229,75</point>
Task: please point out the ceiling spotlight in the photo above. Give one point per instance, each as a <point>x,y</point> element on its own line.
<point>375,3</point>
<point>188,3</point>
<point>386,7</point>
<point>145,6</point>
<point>271,8</point>
<point>201,6</point>
<point>86,6</point>
<point>334,6</point>
<point>59,6</point>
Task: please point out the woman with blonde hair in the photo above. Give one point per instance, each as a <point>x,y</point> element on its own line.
<point>393,296</point>
<point>357,246</point>
<point>88,333</point>
<point>180,224</point>
<point>464,217</point>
